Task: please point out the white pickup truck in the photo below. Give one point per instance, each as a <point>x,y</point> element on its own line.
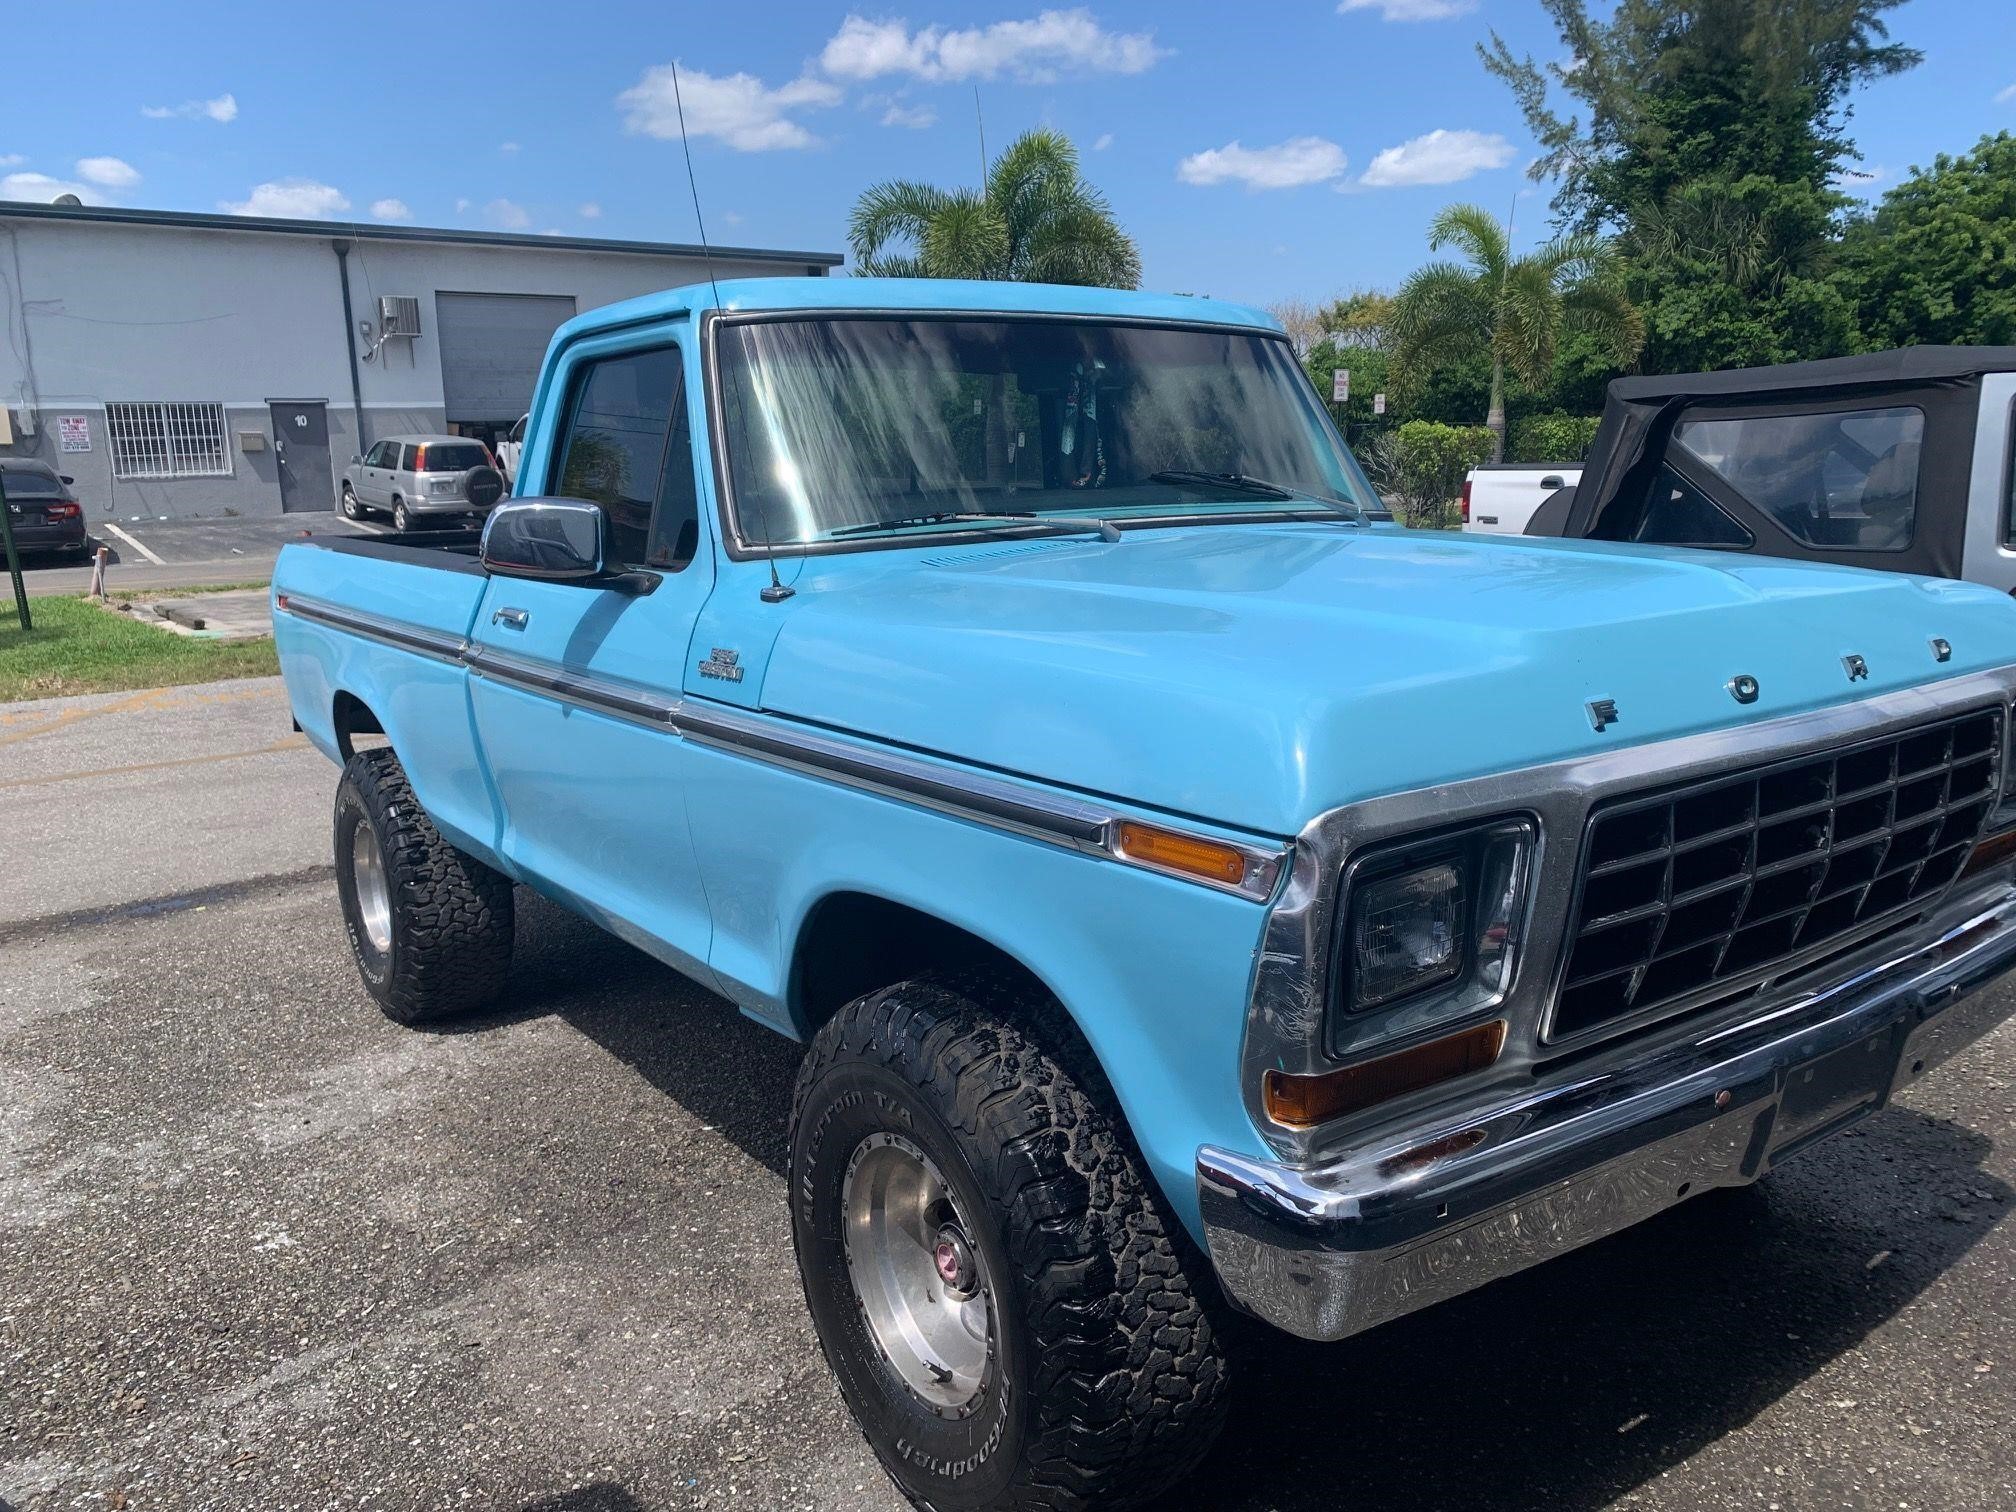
<point>1500,497</point>
<point>509,451</point>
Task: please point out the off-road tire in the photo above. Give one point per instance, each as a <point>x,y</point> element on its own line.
<point>1109,1375</point>
<point>450,948</point>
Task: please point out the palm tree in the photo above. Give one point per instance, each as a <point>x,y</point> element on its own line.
<point>1035,221</point>
<point>1513,308</point>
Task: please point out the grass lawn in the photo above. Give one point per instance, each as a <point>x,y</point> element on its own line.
<point>77,647</point>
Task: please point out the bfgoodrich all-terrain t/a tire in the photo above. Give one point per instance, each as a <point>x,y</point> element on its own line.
<point>1006,1303</point>
<point>429,924</point>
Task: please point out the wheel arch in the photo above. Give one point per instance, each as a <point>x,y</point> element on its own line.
<point>852,942</point>
<point>349,717</point>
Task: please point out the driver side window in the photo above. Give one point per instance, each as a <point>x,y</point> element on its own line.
<point>627,448</point>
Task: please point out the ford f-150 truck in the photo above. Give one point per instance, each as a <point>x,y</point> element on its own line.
<point>1190,896</point>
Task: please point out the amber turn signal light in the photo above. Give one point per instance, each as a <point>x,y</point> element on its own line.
<point>1193,857</point>
<point>1303,1101</point>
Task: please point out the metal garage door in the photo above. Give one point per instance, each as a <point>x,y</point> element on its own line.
<point>491,347</point>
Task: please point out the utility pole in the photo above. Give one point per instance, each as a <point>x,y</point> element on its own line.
<point>13,556</point>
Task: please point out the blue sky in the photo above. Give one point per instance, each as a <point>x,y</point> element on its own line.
<point>1256,152</point>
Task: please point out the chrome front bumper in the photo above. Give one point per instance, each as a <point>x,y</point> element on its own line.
<point>1328,1251</point>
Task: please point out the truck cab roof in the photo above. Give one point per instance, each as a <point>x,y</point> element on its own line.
<point>869,295</point>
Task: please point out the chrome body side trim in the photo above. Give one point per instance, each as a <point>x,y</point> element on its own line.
<point>1005,803</point>
<point>1287,1015</point>
<point>390,632</point>
<point>1329,1250</point>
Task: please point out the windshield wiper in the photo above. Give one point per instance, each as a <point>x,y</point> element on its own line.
<point>1263,486</point>
<point>1105,529</point>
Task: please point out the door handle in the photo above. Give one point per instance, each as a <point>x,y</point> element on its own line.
<point>510,619</point>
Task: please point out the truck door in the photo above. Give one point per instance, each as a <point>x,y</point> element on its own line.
<point>593,789</point>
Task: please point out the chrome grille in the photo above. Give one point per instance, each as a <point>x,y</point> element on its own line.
<point>1716,883</point>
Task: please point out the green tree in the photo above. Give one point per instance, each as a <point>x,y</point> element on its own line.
<point>1361,319</point>
<point>1510,309</point>
<point>1709,134</point>
<point>1667,94</point>
<point>1370,371</point>
<point>1937,260</point>
<point>1035,220</point>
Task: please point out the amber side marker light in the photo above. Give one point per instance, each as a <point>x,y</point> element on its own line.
<point>1990,852</point>
<point>1301,1102</point>
<point>1182,853</point>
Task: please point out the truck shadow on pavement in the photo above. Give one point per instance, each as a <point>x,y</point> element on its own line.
<point>1564,1387</point>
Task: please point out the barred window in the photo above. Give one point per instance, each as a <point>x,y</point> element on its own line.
<point>154,440</point>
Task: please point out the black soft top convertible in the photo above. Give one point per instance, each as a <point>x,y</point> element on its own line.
<point>1897,459</point>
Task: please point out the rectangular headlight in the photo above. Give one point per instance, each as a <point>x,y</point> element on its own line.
<point>1407,933</point>
<point>1434,923</point>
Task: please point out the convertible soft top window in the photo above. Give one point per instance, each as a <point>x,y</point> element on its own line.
<point>835,423</point>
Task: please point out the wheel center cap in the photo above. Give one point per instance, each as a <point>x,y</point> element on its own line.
<point>954,1260</point>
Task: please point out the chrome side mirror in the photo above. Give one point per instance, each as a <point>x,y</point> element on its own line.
<point>555,540</point>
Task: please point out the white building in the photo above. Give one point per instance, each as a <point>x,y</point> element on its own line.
<point>158,357</point>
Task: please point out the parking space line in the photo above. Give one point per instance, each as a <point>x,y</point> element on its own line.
<point>132,541</point>
<point>291,743</point>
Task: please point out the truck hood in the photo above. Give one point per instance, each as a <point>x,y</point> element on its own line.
<point>1258,675</point>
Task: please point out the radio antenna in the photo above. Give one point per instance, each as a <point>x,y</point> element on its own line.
<point>686,146</point>
<point>981,124</point>
<point>776,593</point>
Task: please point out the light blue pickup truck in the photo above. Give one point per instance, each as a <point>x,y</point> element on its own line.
<point>1193,892</point>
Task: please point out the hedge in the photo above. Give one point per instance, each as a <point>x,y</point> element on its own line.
<point>1551,438</point>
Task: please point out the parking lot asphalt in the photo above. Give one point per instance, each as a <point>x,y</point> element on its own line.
<point>260,1248</point>
<point>147,554</point>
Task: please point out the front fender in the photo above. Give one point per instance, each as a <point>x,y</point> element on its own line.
<point>1153,971</point>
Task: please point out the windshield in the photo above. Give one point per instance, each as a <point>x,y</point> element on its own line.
<point>834,424</point>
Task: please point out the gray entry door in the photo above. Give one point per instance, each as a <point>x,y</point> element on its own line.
<point>301,450</point>
<point>492,346</point>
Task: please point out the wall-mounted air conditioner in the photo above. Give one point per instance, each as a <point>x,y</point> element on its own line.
<point>398,315</point>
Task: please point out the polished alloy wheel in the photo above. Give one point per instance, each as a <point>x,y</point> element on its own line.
<point>374,894</point>
<point>921,1281</point>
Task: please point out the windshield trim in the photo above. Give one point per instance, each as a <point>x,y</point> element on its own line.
<point>741,548</point>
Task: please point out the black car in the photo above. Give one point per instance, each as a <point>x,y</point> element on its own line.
<point>45,514</point>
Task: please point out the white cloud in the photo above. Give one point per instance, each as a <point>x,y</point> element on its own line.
<point>391,209</point>
<point>733,217</point>
<point>1861,180</point>
<point>223,108</point>
<point>11,160</point>
<point>1038,50</point>
<point>1440,157</point>
<point>291,199</point>
<point>590,211</point>
<point>739,109</point>
<point>507,148</point>
<point>1410,10</point>
<point>1286,165</point>
<point>461,206</point>
<point>2006,96</point>
<point>108,172</point>
<point>39,188</point>
<point>916,117</point>
<point>508,214</point>
<point>1104,141</point>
